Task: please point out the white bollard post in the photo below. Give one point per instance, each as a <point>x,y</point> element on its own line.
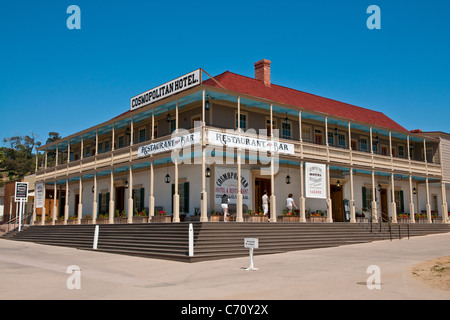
<point>191,240</point>
<point>251,243</point>
<point>95,237</point>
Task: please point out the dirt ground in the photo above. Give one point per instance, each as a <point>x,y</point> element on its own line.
<point>434,273</point>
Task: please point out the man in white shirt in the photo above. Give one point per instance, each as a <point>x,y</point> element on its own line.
<point>265,203</point>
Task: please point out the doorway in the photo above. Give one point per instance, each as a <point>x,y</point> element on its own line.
<point>337,203</point>
<point>120,199</point>
<point>261,185</point>
<point>384,205</point>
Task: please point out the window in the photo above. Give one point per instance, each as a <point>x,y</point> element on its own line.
<point>100,147</point>
<point>363,144</point>
<point>401,151</point>
<point>103,202</point>
<point>399,201</point>
<point>88,152</point>
<point>138,199</point>
<point>318,136</point>
<point>155,131</point>
<point>173,125</point>
<point>243,121</point>
<point>367,198</point>
<point>286,130</point>
<point>330,138</point>
<point>107,146</point>
<point>269,127</point>
<point>341,140</point>
<point>384,150</point>
<point>306,133</point>
<point>121,142</point>
<point>374,147</point>
<point>141,135</point>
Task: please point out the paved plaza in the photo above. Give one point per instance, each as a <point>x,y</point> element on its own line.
<point>32,271</point>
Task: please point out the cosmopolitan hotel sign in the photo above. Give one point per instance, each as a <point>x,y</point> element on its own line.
<point>163,91</point>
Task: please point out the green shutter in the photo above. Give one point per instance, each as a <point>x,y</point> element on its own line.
<point>141,202</point>
<point>107,203</point>
<point>99,203</point>
<point>173,192</point>
<point>364,195</point>
<point>402,204</point>
<point>186,197</point>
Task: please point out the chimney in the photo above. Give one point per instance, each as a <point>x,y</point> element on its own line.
<point>262,71</point>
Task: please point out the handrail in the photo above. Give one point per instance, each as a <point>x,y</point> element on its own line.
<point>15,221</point>
<point>381,220</point>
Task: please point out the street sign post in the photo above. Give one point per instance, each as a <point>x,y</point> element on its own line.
<point>251,243</point>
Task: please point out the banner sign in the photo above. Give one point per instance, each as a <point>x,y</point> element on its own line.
<point>315,180</point>
<point>165,90</point>
<point>249,143</point>
<point>21,193</point>
<point>39,195</point>
<point>170,144</point>
<point>226,182</point>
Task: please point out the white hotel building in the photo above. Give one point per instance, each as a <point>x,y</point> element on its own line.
<point>124,170</point>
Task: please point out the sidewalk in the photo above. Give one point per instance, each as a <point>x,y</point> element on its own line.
<point>31,271</point>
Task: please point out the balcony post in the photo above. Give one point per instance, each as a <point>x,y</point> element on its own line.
<point>66,206</point>
<point>374,202</point>
<point>203,195</point>
<point>352,199</point>
<point>94,201</point>
<point>130,195</point>
<point>80,199</point>
<point>428,206</point>
<point>151,198</point>
<point>176,196</point>
<point>444,203</point>
<point>393,204</point>
<point>329,204</point>
<point>412,218</point>
<point>111,197</point>
<point>239,217</point>
<point>55,198</point>
<point>302,194</point>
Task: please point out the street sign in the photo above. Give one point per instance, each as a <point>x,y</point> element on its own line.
<point>251,243</point>
<point>21,193</point>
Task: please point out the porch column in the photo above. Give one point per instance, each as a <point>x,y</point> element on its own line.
<point>130,195</point>
<point>151,198</point>
<point>176,196</point>
<point>43,208</point>
<point>66,206</point>
<point>111,198</point>
<point>80,200</point>
<point>374,201</point>
<point>55,198</point>
<point>272,201</point>
<point>329,207</point>
<point>68,151</point>
<point>203,195</point>
<point>94,202</point>
<point>428,201</point>
<point>302,195</point>
<point>239,217</point>
<point>412,217</point>
<point>352,199</point>
<point>393,204</point>
<point>444,203</point>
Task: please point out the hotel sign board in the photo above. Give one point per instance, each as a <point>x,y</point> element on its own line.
<point>165,90</point>
<point>315,180</point>
<point>178,142</point>
<point>39,195</point>
<point>249,143</point>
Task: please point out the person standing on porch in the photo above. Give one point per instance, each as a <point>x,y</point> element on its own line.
<point>265,203</point>
<point>225,201</point>
<point>289,203</point>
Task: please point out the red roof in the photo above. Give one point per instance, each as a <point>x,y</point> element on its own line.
<point>307,101</point>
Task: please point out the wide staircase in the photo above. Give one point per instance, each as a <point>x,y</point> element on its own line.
<point>213,240</point>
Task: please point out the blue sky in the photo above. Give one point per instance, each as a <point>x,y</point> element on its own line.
<point>56,79</point>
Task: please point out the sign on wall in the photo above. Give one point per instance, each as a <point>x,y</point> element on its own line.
<point>315,180</point>
<point>249,143</point>
<point>165,90</point>
<point>226,182</point>
<point>39,195</point>
<point>170,144</point>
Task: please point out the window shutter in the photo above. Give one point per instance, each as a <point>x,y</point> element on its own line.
<point>141,200</point>
<point>99,203</point>
<point>364,195</point>
<point>402,204</point>
<point>186,197</point>
<point>107,203</point>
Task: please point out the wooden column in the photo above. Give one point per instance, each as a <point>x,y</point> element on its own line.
<point>393,204</point>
